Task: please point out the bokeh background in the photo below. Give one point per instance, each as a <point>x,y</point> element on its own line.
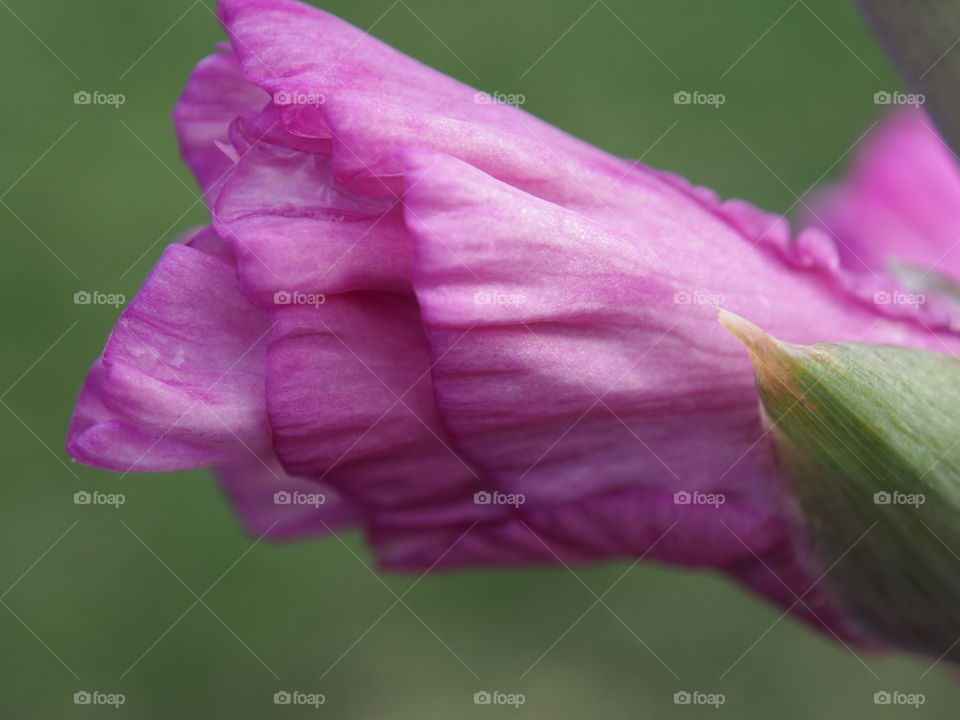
<point>96,598</point>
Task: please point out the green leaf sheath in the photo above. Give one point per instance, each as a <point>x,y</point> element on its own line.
<point>853,420</point>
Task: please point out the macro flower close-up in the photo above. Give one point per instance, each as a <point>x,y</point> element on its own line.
<point>420,334</point>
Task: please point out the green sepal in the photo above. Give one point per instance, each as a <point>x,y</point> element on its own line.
<point>868,439</point>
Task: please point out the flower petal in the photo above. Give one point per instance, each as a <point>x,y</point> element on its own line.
<point>214,96</point>
<point>373,100</point>
<point>572,360</point>
<point>279,506</point>
<point>294,228</point>
<point>901,200</point>
<point>351,404</point>
<point>182,375</point>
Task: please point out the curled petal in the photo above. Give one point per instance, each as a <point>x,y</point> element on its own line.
<point>215,95</point>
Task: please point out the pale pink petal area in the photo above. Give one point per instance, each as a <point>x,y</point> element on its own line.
<point>100,437</point>
<point>294,228</point>
<point>215,95</point>
<point>181,376</point>
<point>273,504</point>
<point>900,201</point>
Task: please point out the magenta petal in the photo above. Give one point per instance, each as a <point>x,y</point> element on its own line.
<point>351,404</point>
<point>321,257</point>
<point>556,340</point>
<point>900,201</point>
<point>573,360</point>
<point>280,506</point>
<point>619,525</point>
<point>180,383</point>
<point>625,524</point>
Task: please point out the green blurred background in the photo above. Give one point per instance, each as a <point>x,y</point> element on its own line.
<point>110,606</point>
